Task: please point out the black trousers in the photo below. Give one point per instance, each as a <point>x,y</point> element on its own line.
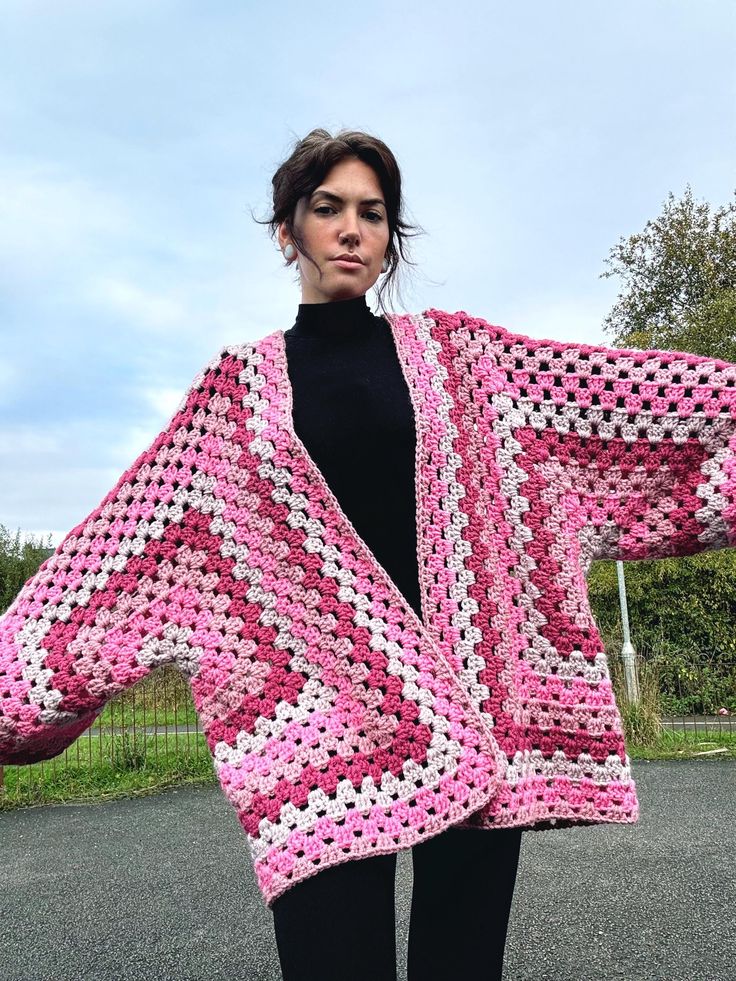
<point>339,925</point>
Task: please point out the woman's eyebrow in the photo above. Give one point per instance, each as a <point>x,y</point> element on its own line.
<point>336,197</point>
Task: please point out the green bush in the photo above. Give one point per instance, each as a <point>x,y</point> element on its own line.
<point>681,618</point>
<point>129,751</point>
<point>19,560</point>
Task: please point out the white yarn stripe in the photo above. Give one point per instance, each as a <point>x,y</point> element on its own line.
<point>461,619</point>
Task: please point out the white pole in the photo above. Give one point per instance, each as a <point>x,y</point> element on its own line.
<point>628,654</point>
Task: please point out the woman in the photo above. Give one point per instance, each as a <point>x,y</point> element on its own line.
<point>337,215</point>
<point>364,540</point>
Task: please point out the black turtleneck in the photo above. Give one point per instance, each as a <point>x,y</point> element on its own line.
<point>353,412</point>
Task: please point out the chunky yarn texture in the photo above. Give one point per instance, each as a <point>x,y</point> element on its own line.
<point>341,725</point>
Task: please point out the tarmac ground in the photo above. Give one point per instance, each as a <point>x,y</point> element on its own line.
<point>162,887</point>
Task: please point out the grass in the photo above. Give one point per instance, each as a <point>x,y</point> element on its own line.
<point>677,745</point>
<point>646,737</point>
<point>128,767</point>
<point>120,766</point>
<point>161,699</point>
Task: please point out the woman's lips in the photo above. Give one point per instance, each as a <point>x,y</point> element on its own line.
<point>347,263</point>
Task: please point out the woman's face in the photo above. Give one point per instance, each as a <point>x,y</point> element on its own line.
<point>346,214</point>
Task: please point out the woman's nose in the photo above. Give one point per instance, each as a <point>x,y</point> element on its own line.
<point>350,228</point>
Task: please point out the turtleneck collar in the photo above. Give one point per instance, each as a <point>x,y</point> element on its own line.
<point>337,318</point>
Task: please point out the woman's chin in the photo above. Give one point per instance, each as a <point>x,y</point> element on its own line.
<point>345,292</point>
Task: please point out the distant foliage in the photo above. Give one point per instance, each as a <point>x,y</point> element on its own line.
<point>681,621</point>
<point>678,293</point>
<point>20,558</point>
<point>679,281</point>
<point>677,604</point>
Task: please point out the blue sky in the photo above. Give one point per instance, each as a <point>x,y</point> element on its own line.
<point>138,136</point>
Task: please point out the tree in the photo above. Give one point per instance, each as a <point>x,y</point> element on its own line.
<point>679,294</point>
<point>679,278</point>
<point>19,560</point>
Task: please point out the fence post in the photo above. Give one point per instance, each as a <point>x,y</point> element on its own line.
<point>628,653</point>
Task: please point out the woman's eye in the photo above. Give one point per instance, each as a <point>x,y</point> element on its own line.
<point>373,216</point>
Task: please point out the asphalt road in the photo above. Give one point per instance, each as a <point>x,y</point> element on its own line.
<point>161,887</point>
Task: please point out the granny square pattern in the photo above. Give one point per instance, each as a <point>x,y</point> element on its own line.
<point>341,724</point>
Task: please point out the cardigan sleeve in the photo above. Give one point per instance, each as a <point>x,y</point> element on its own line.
<point>109,604</point>
<point>638,447</point>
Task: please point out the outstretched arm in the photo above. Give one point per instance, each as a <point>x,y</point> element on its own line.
<point>640,446</point>
<point>123,592</point>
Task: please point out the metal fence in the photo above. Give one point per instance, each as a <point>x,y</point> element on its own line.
<point>150,735</point>
<point>697,695</point>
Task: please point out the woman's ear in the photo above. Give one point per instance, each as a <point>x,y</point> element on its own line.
<point>283,235</point>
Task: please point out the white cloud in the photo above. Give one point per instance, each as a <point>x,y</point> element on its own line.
<point>9,379</point>
<point>575,319</point>
<point>48,218</point>
<point>130,444</point>
<point>144,308</point>
<point>24,439</point>
<point>41,534</point>
<point>124,446</point>
<point>56,473</point>
<point>164,400</point>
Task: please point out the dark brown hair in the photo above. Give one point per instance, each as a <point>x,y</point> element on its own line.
<point>304,170</point>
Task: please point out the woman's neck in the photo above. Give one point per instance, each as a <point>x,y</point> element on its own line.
<point>337,318</point>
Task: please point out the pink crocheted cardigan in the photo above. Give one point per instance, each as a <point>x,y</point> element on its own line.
<point>341,725</point>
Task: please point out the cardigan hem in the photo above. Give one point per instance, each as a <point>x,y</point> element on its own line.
<point>558,820</point>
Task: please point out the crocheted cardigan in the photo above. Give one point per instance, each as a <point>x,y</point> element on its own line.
<point>341,724</point>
